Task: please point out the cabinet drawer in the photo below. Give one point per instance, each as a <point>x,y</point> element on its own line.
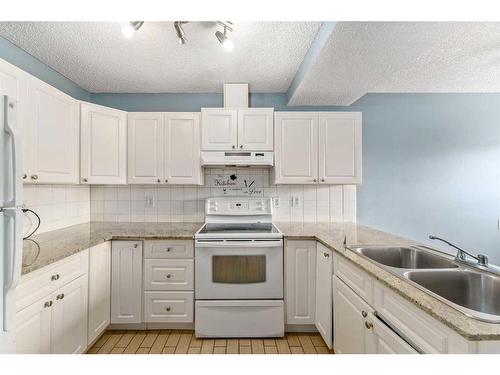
<point>168,307</point>
<point>169,249</point>
<point>423,331</point>
<point>357,279</point>
<point>168,274</point>
<point>37,284</point>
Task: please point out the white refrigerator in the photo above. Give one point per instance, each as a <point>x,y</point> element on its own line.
<point>11,219</point>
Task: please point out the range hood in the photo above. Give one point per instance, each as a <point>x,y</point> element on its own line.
<point>237,158</point>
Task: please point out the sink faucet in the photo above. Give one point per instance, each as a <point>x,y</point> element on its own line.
<point>482,260</point>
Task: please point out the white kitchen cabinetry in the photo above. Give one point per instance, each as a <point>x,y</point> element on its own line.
<point>317,147</point>
<point>164,148</point>
<point>340,147</point>
<point>33,325</point>
<point>300,281</point>
<point>126,282</point>
<point>296,148</point>
<point>237,129</point>
<point>323,310</point>
<point>99,290</point>
<point>181,145</point>
<point>103,145</point>
<point>52,122</point>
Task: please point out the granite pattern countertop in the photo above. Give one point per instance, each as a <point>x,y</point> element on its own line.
<point>56,245</point>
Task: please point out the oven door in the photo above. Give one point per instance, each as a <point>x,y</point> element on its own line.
<point>239,269</point>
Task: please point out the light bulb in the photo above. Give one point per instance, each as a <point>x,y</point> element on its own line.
<point>128,30</point>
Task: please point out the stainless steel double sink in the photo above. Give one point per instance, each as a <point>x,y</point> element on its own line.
<point>473,292</point>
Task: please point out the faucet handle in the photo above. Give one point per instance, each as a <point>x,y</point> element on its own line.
<point>482,260</point>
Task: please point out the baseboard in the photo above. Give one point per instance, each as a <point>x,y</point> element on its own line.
<point>300,328</point>
<point>146,326</point>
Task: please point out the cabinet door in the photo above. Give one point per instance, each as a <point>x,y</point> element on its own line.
<point>296,148</point>
<point>300,276</point>
<point>219,130</point>
<point>323,311</point>
<point>14,83</point>
<point>54,121</point>
<point>181,147</point>
<point>349,318</point>
<point>69,318</point>
<point>145,148</point>
<point>340,147</point>
<point>103,145</point>
<point>255,129</point>
<point>385,341</point>
<point>33,328</point>
<point>99,289</point>
<point>126,282</point>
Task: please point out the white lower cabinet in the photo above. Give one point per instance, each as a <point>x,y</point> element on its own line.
<point>300,281</point>
<point>99,290</point>
<point>126,282</point>
<point>168,307</point>
<point>33,328</point>
<point>323,310</point>
<point>385,341</point>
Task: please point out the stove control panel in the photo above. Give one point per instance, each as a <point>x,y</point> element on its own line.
<point>235,206</point>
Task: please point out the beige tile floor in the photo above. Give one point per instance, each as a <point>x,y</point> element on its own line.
<point>184,342</point>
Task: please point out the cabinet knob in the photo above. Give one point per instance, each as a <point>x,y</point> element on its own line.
<point>158,180</point>
<point>314,180</point>
<point>168,308</point>
<point>85,180</point>
<point>136,246</point>
<point>166,181</point>
<point>322,180</point>
<point>233,147</point>
<point>25,176</point>
<point>47,304</point>
<point>168,276</point>
<point>241,146</point>
<point>364,313</point>
<point>368,325</point>
<point>34,177</point>
<point>326,255</point>
<point>60,296</point>
<point>55,277</point>
<point>168,249</point>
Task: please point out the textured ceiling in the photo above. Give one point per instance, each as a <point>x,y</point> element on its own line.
<point>379,57</point>
<point>97,57</point>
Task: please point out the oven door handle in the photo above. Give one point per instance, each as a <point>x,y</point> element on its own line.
<point>226,243</point>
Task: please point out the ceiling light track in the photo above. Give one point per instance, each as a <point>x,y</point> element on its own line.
<point>132,27</point>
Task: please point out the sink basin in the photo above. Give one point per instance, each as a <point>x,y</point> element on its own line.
<point>405,257</point>
<point>473,290</point>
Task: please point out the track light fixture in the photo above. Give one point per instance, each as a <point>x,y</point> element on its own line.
<point>129,29</point>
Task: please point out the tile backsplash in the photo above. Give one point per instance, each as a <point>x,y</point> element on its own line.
<point>164,203</point>
<point>58,206</point>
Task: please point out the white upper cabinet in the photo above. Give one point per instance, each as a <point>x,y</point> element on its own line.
<point>225,129</point>
<point>296,148</point>
<point>255,129</point>
<point>53,123</point>
<point>103,145</point>
<point>145,148</point>
<point>340,147</point>
<point>317,147</point>
<point>181,148</point>
<point>219,131</point>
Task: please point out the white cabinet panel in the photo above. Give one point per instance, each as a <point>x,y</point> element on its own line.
<point>351,336</point>
<point>103,145</point>
<point>54,123</point>
<point>255,129</point>
<point>219,130</point>
<point>145,148</point>
<point>33,326</point>
<point>69,318</point>
<point>168,307</point>
<point>296,147</point>
<point>99,289</point>
<point>168,249</point>
<point>355,278</point>
<point>323,310</point>
<point>181,145</point>
<point>386,341</point>
<point>168,274</point>
<point>300,281</point>
<point>340,147</point>
<point>126,282</point>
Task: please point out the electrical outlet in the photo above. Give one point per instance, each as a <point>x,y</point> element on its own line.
<point>150,201</point>
<point>276,202</point>
<point>296,202</point>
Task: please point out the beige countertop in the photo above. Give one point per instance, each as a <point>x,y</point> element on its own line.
<point>62,243</point>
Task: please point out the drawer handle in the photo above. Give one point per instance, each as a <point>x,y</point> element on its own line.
<point>60,296</point>
<point>136,245</point>
<point>168,249</point>
<point>364,313</point>
<point>168,309</point>
<point>47,304</point>
<point>169,275</point>
<point>368,325</point>
<point>326,255</point>
<point>55,277</point>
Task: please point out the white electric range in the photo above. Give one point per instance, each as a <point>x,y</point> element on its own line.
<point>239,270</point>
